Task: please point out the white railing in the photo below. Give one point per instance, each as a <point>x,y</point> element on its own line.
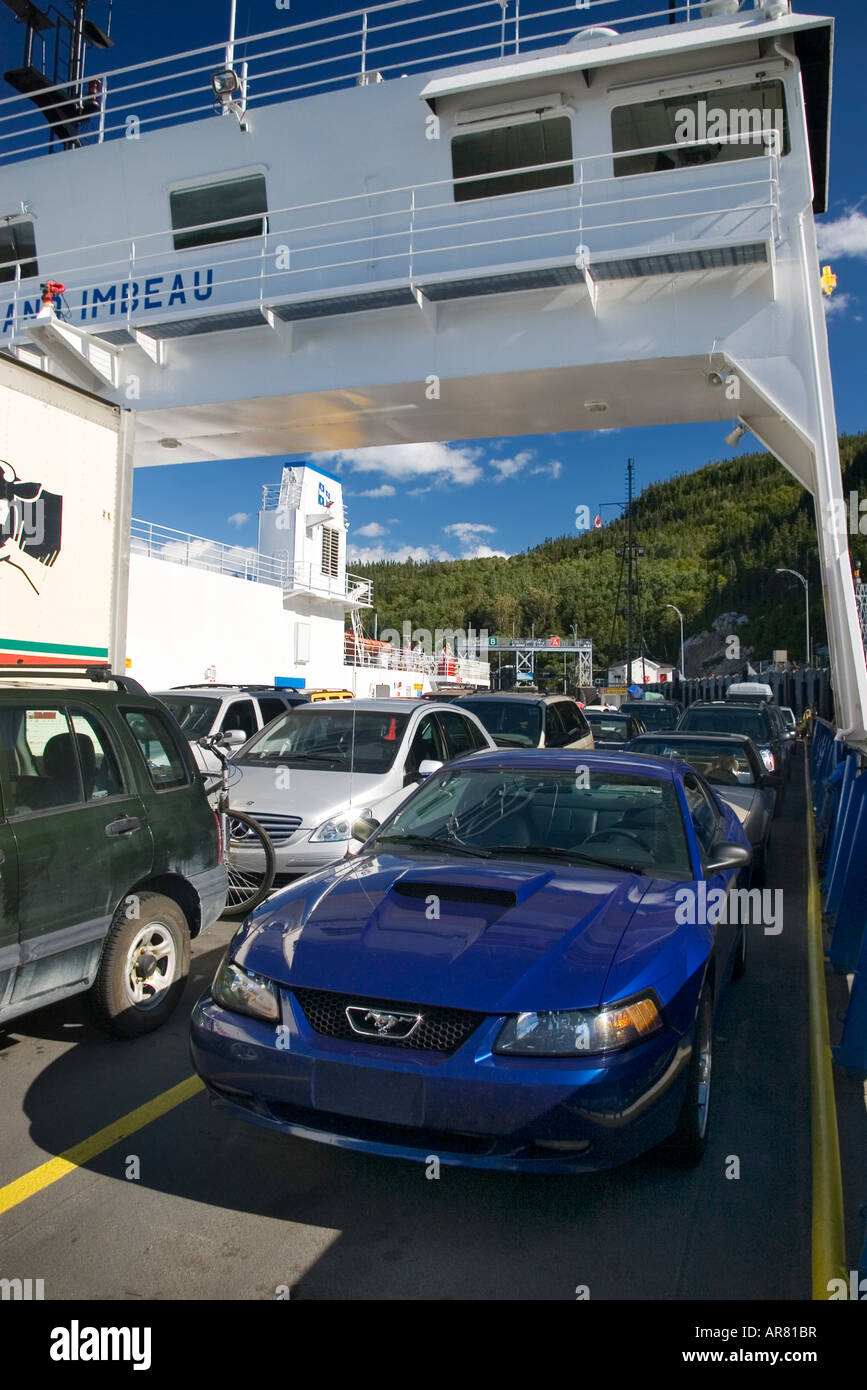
<point>197,552</point>
<point>369,654</point>
<point>386,40</point>
<point>282,495</point>
<point>305,577</point>
<point>413,235</point>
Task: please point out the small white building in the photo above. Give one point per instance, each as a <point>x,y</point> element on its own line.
<point>644,672</point>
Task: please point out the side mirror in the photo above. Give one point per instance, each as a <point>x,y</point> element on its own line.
<point>427,767</point>
<point>363,828</point>
<point>772,780</point>
<point>727,855</point>
<point>233,738</point>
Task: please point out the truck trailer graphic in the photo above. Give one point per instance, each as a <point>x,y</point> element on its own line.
<point>31,521</point>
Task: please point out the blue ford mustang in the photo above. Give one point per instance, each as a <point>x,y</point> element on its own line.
<point>520,970</point>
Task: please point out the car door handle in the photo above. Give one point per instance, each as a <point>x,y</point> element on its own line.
<point>127,826</point>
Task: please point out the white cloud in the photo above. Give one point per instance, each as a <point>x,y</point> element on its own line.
<point>468,530</point>
<point>443,463</point>
<point>369,555</point>
<point>385,491</point>
<point>846,236</point>
<point>550,470</point>
<point>484,552</point>
<point>837,304</point>
<point>372,529</point>
<point>210,555</point>
<point>508,468</point>
<point>239,518</point>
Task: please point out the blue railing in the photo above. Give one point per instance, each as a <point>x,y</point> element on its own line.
<point>840,805</point>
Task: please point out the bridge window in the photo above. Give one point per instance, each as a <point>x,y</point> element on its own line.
<point>716,126</point>
<point>216,212</point>
<point>17,243</point>
<point>330,550</point>
<point>484,155</point>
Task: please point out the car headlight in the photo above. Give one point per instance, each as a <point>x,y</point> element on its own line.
<point>245,993</point>
<point>339,827</point>
<point>332,831</point>
<point>580,1030</point>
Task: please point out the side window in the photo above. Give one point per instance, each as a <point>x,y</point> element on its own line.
<point>573,720</point>
<point>17,244</point>
<point>484,158</point>
<point>460,733</point>
<point>240,715</point>
<point>164,761</point>
<point>694,128</point>
<point>270,708</point>
<point>704,814</point>
<point>426,744</point>
<point>555,732</point>
<point>42,762</point>
<point>477,735</point>
<point>99,766</point>
<point>210,213</point>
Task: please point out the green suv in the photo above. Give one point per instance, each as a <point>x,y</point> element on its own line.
<point>110,856</point>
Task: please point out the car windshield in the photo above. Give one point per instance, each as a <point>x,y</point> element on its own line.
<point>618,820</point>
<point>654,716</point>
<point>611,728</point>
<point>332,738</point>
<point>723,719</point>
<point>195,716</point>
<point>724,764</point>
<point>511,723</point>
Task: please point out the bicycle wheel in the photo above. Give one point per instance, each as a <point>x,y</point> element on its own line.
<point>250,863</point>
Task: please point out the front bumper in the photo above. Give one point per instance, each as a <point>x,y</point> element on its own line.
<point>295,856</point>
<point>470,1109</point>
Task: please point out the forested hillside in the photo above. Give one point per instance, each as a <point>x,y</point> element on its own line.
<point>712,540</point>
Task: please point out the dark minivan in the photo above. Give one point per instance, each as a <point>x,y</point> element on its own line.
<point>110,858</point>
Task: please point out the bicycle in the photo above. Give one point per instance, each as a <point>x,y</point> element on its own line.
<point>247,850</point>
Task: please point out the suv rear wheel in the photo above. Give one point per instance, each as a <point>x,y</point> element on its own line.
<point>144,966</point>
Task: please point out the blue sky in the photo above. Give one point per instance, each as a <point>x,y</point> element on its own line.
<point>508,494</point>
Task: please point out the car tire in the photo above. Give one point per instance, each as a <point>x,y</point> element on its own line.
<point>689,1140</point>
<point>144,966</point>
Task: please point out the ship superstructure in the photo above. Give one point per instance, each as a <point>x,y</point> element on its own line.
<point>412,225</point>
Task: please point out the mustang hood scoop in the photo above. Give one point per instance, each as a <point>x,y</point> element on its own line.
<point>454,892</point>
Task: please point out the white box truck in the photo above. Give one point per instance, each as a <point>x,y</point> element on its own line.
<point>65,505</point>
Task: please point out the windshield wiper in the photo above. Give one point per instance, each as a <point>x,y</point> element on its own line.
<point>431,842</point>
<point>572,855</point>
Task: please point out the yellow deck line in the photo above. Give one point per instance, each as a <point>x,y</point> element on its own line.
<point>80,1154</point>
<point>829,1243</point>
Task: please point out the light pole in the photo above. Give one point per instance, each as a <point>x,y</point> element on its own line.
<point>782,570</point>
<point>680,615</point>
